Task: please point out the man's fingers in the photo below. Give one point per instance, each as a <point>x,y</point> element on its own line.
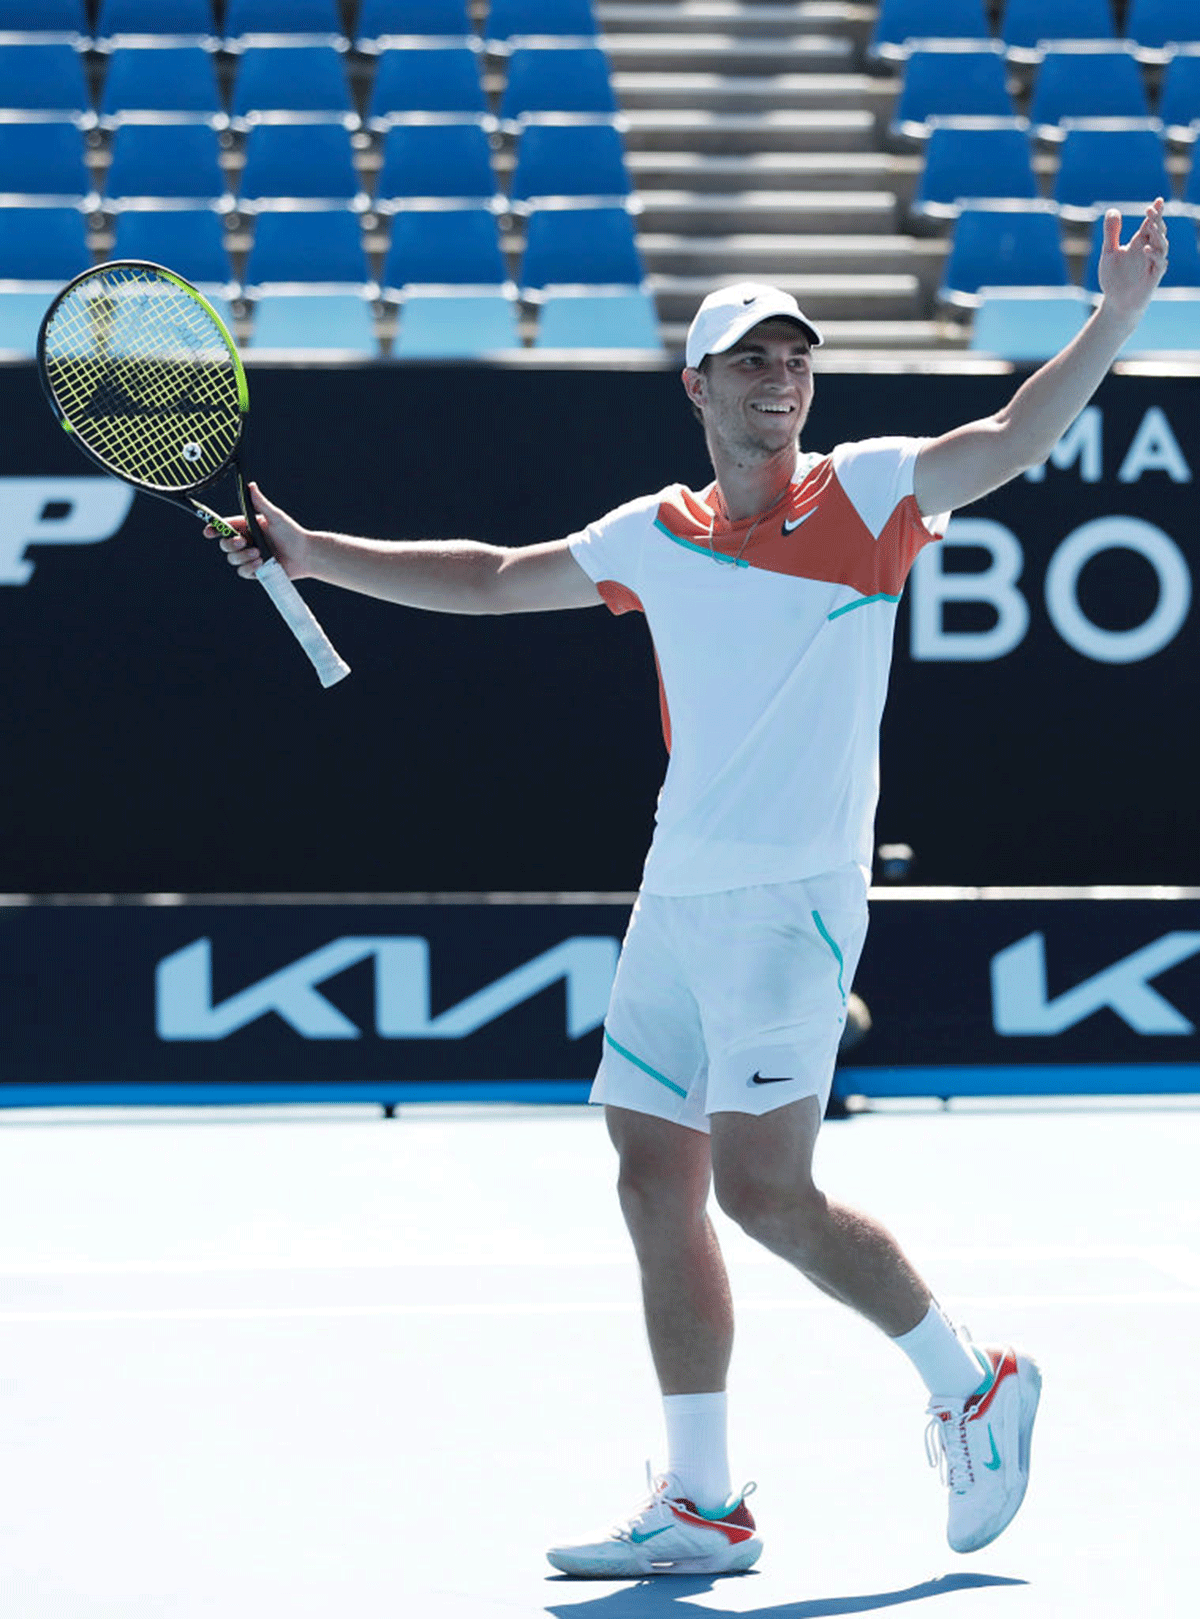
<point>1112,230</point>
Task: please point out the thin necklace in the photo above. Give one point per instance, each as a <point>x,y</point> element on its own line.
<point>736,561</point>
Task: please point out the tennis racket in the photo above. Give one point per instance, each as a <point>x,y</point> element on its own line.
<point>140,370</point>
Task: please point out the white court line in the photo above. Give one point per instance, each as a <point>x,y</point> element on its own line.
<point>297,1312</point>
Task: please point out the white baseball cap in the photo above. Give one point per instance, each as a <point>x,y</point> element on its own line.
<point>728,314</point>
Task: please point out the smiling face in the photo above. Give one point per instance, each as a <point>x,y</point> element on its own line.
<point>755,398</point>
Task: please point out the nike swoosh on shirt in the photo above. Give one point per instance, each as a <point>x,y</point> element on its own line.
<point>796,521</point>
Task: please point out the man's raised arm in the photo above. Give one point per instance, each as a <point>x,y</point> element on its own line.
<point>443,576</point>
<point>970,461</point>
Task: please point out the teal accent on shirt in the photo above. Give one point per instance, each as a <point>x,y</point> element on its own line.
<point>832,943</point>
<point>704,550</point>
<point>863,601</point>
<point>644,1066</point>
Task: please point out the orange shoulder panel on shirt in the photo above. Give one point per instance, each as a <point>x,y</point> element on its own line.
<point>618,598</point>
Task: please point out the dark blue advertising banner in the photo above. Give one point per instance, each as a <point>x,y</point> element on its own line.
<point>162,731</point>
<point>197,1001</point>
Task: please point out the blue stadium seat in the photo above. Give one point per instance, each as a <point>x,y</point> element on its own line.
<point>383,20</point>
<point>456,326</point>
<point>20,321</point>
<point>314,246</point>
<point>599,320</point>
<point>45,77</point>
<point>1183,250</point>
<point>523,19</point>
<point>148,81</point>
<point>312,161</point>
<point>1028,323</point>
<point>418,81</point>
<point>1155,24</point>
<point>444,247</point>
<point>1003,247</point>
<point>190,240</point>
<point>183,19</point>
<point>160,161</point>
<point>308,19</point>
<point>302,82</point>
<point>581,247</point>
<point>1179,99</point>
<point>572,78</point>
<point>42,244</point>
<point>436,160</point>
<point>321,322</point>
<point>952,81</point>
<point>44,159</point>
<point>1087,81</point>
<point>1027,23</point>
<point>969,161</point>
<point>570,160</point>
<point>23,17</point>
<point>1171,324</point>
<point>1119,161</point>
<point>901,21</point>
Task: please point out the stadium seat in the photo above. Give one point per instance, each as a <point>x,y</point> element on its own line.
<point>450,326</point>
<point>1118,161</point>
<point>1026,24</point>
<point>314,321</point>
<point>45,77</point>
<point>1087,81</point>
<point>1179,100</point>
<point>44,159</point>
<point>66,17</point>
<point>189,240</point>
<point>1183,250</point>
<point>601,320</point>
<point>1003,247</point>
<point>902,21</point>
<point>1171,324</point>
<point>182,19</point>
<point>308,19</point>
<point>300,82</point>
<point>436,160</point>
<point>310,161</point>
<point>1027,323</point>
<point>161,161</point>
<point>444,247</point>
<point>20,321</point>
<point>570,160</point>
<point>313,246</point>
<point>418,81</point>
<point>1155,24</point>
<point>522,19</point>
<point>952,81</point>
<point>581,247</point>
<point>382,20</point>
<point>561,79</point>
<point>43,244</point>
<point>969,161</point>
<point>147,82</point>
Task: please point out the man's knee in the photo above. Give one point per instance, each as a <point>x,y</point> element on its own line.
<point>664,1173</point>
<point>770,1209</point>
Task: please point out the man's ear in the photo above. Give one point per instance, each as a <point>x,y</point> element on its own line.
<point>693,384</point>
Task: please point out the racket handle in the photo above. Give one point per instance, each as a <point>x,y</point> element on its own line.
<point>298,616</point>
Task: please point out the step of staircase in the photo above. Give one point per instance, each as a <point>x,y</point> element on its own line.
<point>728,53</point>
<point>724,134</point>
<point>684,17</point>
<point>770,255</point>
<point>845,172</point>
<point>720,90</point>
<point>759,212</point>
<point>859,297</point>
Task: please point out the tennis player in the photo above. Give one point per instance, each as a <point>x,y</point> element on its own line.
<point>771,597</point>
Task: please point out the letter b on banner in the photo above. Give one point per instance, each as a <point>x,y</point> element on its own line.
<point>996,586</point>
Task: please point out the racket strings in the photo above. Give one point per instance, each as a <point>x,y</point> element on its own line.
<point>145,379</point>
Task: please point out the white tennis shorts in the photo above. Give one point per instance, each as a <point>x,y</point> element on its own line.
<point>732,1002</point>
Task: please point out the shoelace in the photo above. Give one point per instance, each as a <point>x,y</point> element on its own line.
<point>946,1448</point>
<point>655,1496</point>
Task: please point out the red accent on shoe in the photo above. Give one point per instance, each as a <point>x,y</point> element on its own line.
<point>737,1526</point>
<point>1004,1364</point>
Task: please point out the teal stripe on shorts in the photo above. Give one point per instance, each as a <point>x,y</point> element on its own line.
<point>644,1066</point>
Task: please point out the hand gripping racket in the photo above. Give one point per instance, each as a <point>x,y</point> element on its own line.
<point>141,371</point>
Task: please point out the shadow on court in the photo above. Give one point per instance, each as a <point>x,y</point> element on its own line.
<point>646,1598</point>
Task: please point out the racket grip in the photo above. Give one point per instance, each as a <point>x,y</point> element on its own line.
<point>298,616</point>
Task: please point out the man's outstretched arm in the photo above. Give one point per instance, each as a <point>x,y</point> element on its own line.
<point>970,461</point>
<point>443,576</point>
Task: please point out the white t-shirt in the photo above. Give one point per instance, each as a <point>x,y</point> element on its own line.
<point>773,638</point>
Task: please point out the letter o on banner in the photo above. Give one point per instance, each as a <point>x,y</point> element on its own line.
<point>1118,534</point>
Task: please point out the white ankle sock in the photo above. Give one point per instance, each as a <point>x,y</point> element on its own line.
<point>946,1365</point>
<point>697,1452</point>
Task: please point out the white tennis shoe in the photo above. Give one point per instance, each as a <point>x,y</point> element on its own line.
<point>981,1448</point>
<point>666,1534</point>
